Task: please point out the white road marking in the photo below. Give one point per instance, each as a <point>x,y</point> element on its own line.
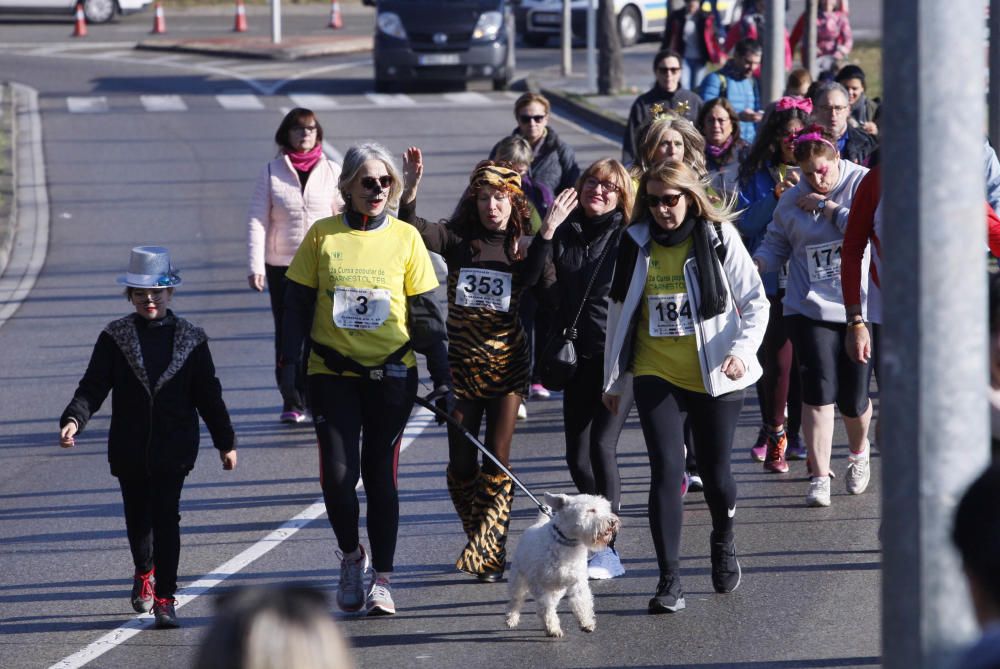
<point>87,105</point>
<point>163,103</point>
<point>313,101</point>
<point>391,99</point>
<point>419,421</point>
<point>239,101</point>
<point>113,55</point>
<point>468,98</point>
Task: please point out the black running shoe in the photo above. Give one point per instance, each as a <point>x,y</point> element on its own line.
<point>163,611</point>
<point>669,597</point>
<point>726,571</point>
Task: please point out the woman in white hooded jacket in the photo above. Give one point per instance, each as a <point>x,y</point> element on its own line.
<point>686,314</point>
<point>294,190</point>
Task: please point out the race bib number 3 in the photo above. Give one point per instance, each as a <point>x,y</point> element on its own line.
<point>360,308</point>
<point>483,289</point>
<point>670,315</point>
<point>824,261</point>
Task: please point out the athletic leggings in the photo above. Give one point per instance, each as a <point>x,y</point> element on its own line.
<point>359,424</point>
<point>828,375</point>
<point>153,525</point>
<point>662,407</point>
<point>276,284</point>
<point>779,386</point>
<point>592,432</point>
<point>501,414</point>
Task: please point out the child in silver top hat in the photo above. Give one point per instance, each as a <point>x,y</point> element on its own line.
<point>159,371</point>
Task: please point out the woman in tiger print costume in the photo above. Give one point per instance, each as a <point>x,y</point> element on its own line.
<point>487,273</point>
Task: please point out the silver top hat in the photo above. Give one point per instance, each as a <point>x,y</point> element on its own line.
<point>149,267</point>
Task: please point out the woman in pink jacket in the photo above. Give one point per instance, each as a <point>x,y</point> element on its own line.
<point>296,188</point>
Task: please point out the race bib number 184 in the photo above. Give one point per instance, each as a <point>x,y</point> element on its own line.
<point>670,315</point>
<point>483,289</point>
<point>360,308</point>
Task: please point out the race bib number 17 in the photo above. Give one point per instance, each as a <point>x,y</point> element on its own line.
<point>483,289</point>
<point>824,261</point>
<point>360,308</point>
<point>670,315</point>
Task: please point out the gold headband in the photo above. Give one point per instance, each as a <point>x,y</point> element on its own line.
<point>501,178</point>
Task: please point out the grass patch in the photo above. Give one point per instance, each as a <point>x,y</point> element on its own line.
<point>868,56</point>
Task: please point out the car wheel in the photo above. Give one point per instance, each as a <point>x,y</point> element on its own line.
<point>535,39</point>
<point>629,26</point>
<point>99,11</point>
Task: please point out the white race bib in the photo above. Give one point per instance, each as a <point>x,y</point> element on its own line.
<point>483,289</point>
<point>783,277</point>
<point>670,315</point>
<point>360,308</point>
<point>823,261</point>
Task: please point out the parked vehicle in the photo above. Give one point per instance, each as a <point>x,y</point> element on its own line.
<point>442,40</point>
<point>537,20</point>
<point>96,11</point>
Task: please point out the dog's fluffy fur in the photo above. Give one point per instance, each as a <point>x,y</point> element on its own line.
<point>551,560</point>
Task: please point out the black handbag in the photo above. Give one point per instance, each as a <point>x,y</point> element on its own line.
<point>558,361</point>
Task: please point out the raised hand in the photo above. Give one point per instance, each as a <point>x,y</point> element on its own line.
<point>564,203</point>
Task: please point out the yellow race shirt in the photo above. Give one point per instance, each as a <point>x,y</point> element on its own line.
<point>665,344</point>
<point>362,280</point>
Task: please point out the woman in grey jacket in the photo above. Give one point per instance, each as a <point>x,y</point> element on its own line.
<point>808,231</point>
<point>686,315</point>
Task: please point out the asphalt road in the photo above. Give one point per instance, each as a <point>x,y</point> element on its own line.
<point>119,175</point>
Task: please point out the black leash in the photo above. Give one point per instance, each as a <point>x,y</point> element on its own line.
<point>428,403</point>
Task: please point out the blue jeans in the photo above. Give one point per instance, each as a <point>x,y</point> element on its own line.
<point>692,70</point>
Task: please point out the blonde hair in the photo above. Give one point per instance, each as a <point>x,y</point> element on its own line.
<point>612,170</point>
<point>528,98</point>
<point>656,131</point>
<point>695,188</point>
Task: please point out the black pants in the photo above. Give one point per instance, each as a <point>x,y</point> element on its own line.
<point>276,291</point>
<point>592,432</point>
<point>153,524</point>
<point>359,425</point>
<point>536,322</point>
<point>662,408</point>
<point>828,375</point>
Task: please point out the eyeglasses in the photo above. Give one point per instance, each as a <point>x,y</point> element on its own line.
<point>667,70</point>
<point>371,183</point>
<point>834,109</point>
<point>529,118</point>
<point>712,120</point>
<point>669,200</point>
<point>155,295</point>
<point>607,186</point>
<point>305,128</point>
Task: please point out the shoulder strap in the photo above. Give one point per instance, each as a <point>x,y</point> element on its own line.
<point>593,278</point>
<point>720,250</point>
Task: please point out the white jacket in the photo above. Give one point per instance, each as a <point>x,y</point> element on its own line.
<point>281,212</point>
<point>738,331</point>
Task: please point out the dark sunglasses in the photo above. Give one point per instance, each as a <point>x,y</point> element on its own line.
<point>670,200</point>
<point>668,70</point>
<point>371,183</point>
<point>526,118</point>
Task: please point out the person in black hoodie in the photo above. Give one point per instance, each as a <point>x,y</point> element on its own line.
<point>160,374</point>
<point>585,246</point>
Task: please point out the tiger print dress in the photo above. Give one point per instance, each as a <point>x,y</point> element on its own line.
<point>487,347</point>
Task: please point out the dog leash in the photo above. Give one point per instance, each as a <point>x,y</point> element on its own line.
<point>428,403</point>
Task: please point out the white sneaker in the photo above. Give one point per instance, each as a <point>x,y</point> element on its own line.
<point>819,491</point>
<point>605,564</point>
<point>522,412</point>
<point>859,472</point>
<point>379,602</point>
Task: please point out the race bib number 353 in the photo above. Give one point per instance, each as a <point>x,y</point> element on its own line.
<point>670,315</point>
<point>483,289</point>
<point>360,308</point>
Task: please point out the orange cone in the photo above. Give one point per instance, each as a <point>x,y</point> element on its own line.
<point>336,21</point>
<point>159,21</point>
<point>80,29</point>
<point>241,18</point>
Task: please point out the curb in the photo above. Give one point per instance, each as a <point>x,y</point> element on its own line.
<point>262,48</point>
<point>572,103</point>
<point>8,177</point>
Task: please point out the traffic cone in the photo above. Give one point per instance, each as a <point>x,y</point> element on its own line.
<point>336,21</point>
<point>159,21</point>
<point>80,29</point>
<point>241,18</point>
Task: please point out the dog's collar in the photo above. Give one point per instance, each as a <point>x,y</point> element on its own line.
<point>562,538</point>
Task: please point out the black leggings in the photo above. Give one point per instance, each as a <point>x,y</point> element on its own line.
<point>276,283</point>
<point>153,525</point>
<point>828,375</point>
<point>347,410</point>
<point>501,414</point>
<point>662,408</point>
<point>592,432</point>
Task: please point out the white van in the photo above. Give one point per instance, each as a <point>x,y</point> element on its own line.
<point>96,11</point>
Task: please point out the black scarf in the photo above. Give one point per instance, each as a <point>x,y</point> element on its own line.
<point>710,282</point>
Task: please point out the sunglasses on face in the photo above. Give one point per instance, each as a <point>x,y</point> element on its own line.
<point>669,200</point>
<point>305,128</point>
<point>667,70</point>
<point>371,183</point>
<point>529,118</point>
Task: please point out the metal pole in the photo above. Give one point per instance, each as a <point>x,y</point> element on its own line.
<point>933,373</point>
<point>809,52</point>
<point>567,39</point>
<point>994,95</point>
<point>276,21</point>
<point>592,46</point>
<point>773,67</point>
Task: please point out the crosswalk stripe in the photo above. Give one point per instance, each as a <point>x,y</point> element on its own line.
<point>87,105</point>
<point>163,103</point>
<point>313,101</point>
<point>391,99</point>
<point>468,98</point>
<point>239,101</point>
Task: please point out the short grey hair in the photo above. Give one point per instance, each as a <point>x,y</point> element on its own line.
<point>515,150</point>
<point>357,156</point>
<point>821,88</point>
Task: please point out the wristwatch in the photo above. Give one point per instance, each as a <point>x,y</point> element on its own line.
<point>820,206</point>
